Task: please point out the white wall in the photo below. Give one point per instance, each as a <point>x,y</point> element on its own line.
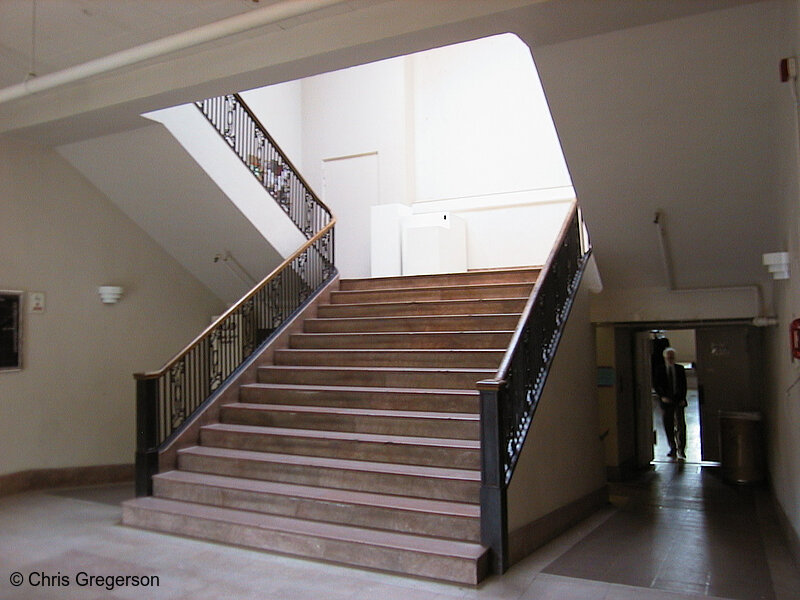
<point>482,124</point>
<point>355,112</point>
<point>280,110</point>
<point>73,404</point>
<point>463,129</point>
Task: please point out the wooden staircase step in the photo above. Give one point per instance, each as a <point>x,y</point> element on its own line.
<point>470,277</point>
<point>356,420</point>
<point>451,560</point>
<point>412,450</point>
<point>380,511</point>
<point>435,483</point>
<point>403,340</point>
<point>431,323</point>
<point>372,398</point>
<point>372,375</point>
<point>481,358</point>
<point>424,308</point>
<point>449,292</point>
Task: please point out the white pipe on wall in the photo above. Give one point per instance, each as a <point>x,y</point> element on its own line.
<point>173,43</point>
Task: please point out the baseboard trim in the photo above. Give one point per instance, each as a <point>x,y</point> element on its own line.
<point>524,540</point>
<point>41,479</point>
<point>792,538</point>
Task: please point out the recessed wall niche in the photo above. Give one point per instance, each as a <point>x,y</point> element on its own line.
<point>10,330</point>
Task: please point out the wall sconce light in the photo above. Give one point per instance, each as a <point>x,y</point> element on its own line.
<point>110,294</point>
<point>777,263</point>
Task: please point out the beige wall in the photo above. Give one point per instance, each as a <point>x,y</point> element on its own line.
<point>607,395</point>
<point>562,460</point>
<point>783,403</point>
<point>73,403</point>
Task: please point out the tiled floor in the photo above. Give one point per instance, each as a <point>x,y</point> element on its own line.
<point>675,527</point>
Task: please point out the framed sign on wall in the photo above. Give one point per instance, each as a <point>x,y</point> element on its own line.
<point>10,330</point>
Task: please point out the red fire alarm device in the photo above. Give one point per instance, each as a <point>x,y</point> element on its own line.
<point>794,333</point>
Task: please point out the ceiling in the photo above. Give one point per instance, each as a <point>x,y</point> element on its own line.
<point>71,32</point>
<point>665,105</point>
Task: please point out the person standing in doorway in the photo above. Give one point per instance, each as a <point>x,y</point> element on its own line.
<point>669,382</point>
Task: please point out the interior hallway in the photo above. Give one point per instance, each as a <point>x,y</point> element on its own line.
<point>676,533</point>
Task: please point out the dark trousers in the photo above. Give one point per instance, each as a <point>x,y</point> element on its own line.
<point>674,426</point>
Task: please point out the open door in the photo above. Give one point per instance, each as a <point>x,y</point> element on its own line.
<point>727,373</point>
<point>644,400</point>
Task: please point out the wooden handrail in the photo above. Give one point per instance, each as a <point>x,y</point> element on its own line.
<point>502,371</point>
<point>245,298</point>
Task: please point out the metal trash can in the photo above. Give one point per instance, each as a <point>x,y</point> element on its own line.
<point>742,446</point>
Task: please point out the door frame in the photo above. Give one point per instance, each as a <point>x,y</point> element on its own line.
<point>627,343</point>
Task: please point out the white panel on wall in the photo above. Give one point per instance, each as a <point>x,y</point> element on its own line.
<point>350,187</point>
<point>434,243</point>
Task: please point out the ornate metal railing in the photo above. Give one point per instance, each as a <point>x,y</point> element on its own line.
<point>168,397</point>
<point>509,400</point>
<point>249,139</point>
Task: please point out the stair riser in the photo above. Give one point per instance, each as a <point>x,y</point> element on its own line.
<point>460,340</point>
<point>473,278</point>
<point>411,295</point>
<point>415,309</point>
<point>433,488</point>
<point>386,425</point>
<point>359,515</point>
<point>466,403</point>
<point>350,553</point>
<point>432,456</point>
<point>485,359</point>
<point>440,323</point>
<point>368,378</point>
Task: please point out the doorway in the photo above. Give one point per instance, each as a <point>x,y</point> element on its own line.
<point>722,363</point>
<point>684,342</point>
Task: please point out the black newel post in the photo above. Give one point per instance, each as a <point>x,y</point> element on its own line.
<point>146,435</point>
<point>494,515</point>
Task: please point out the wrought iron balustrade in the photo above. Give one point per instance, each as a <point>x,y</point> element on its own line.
<point>509,400</point>
<point>251,142</point>
<point>168,397</point>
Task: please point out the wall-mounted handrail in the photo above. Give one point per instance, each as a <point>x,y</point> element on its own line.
<point>510,398</point>
<point>242,130</point>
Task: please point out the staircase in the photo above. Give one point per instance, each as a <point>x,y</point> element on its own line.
<point>360,444</point>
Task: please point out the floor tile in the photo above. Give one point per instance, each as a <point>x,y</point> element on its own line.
<point>676,533</point>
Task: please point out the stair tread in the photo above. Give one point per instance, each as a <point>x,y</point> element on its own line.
<point>407,317</point>
<point>404,333</point>
<point>387,350</point>
<point>430,302</point>
<point>462,286</point>
<point>408,503</point>
<point>360,535</point>
<point>362,389</point>
<point>406,414</point>
<point>336,463</point>
<point>528,270</point>
<point>440,370</point>
<point>347,436</point>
